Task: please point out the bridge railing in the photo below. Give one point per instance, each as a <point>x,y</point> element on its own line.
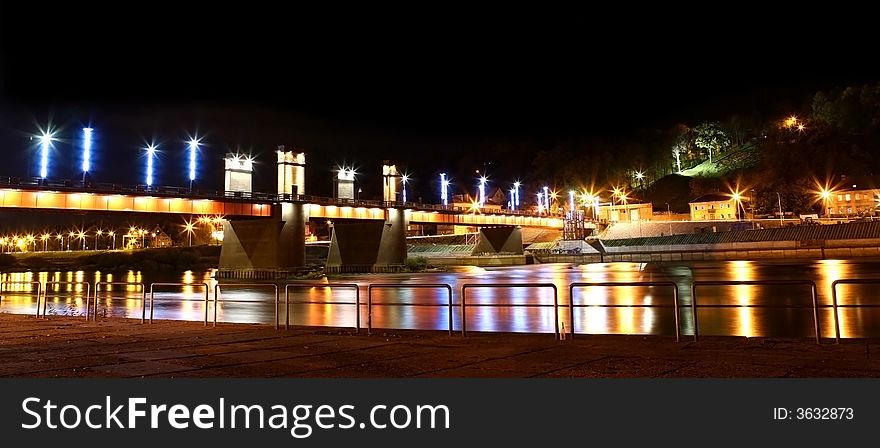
<point>813,292</point>
<point>675,303</point>
<point>467,286</point>
<point>111,298</point>
<point>4,290</point>
<point>356,303</point>
<point>371,304</point>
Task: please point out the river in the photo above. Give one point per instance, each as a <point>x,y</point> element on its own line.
<point>746,311</point>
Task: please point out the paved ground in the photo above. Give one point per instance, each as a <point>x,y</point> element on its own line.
<point>68,347</point>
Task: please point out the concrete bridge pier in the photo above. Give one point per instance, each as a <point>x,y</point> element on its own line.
<point>499,240</point>
<point>371,246</point>
<point>276,244</point>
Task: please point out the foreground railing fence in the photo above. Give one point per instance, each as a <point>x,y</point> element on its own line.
<point>572,304</point>
<point>92,291</point>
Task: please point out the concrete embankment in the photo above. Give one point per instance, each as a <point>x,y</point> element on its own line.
<point>838,241</point>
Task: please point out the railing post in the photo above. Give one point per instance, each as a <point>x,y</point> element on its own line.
<point>816,312</point>
<point>694,311</point>
<point>836,317</point>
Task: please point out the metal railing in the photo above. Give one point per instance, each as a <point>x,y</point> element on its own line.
<point>152,297</point>
<point>243,285</point>
<point>674,306</point>
<point>370,303</point>
<point>467,286</point>
<point>110,297</point>
<point>31,283</point>
<point>810,283</point>
<point>86,298</point>
<point>356,303</point>
<point>835,305</point>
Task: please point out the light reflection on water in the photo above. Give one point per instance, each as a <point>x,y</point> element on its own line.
<point>256,304</point>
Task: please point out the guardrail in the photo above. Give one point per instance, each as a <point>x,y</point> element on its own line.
<point>85,298</point>
<point>674,306</point>
<point>43,290</point>
<point>370,303</point>
<point>467,286</point>
<point>810,283</point>
<point>243,285</point>
<point>98,289</point>
<point>865,281</point>
<point>152,297</point>
<point>31,283</point>
<point>356,303</point>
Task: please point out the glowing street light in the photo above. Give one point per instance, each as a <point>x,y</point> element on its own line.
<point>60,239</point>
<point>45,238</point>
<point>98,233</point>
<point>70,237</point>
<point>571,207</point>
<point>82,237</point>
<point>547,199</point>
<point>444,187</point>
<point>516,194</point>
<point>540,203</point>
<point>45,141</point>
<point>151,151</point>
<point>87,151</point>
<point>193,147</point>
<point>113,235</point>
<point>403,180</point>
<point>189,227</point>
<point>482,191</point>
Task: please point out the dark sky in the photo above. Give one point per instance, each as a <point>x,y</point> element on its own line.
<point>430,89</point>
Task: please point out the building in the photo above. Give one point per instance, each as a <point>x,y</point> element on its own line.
<point>629,212</point>
<point>852,202</point>
<point>717,207</point>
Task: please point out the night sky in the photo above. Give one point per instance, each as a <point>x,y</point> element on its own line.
<point>435,92</point>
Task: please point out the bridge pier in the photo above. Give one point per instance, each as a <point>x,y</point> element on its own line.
<point>372,246</point>
<point>499,240</point>
<point>266,244</point>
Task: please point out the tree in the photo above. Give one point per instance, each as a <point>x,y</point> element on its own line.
<point>711,137</point>
<point>680,147</point>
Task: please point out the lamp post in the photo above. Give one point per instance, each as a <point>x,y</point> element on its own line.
<point>98,233</point>
<point>70,239</point>
<point>112,234</point>
<point>87,153</point>
<point>669,218</point>
<point>781,215</point>
<point>60,239</point>
<point>82,237</point>
<point>193,147</point>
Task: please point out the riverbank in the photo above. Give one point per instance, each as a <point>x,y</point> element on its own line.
<point>71,347</point>
<point>157,259</point>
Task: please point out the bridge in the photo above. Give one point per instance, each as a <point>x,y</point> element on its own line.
<point>266,231</point>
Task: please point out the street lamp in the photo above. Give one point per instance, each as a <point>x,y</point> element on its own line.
<point>482,191</point>
<point>516,195</point>
<point>444,186</point>
<point>60,239</point>
<point>87,152</point>
<point>45,142</point>
<point>70,239</point>
<point>669,217</point>
<point>82,237</point>
<point>403,179</point>
<point>45,239</point>
<point>113,235</point>
<point>825,194</point>
<point>547,199</point>
<point>571,204</point>
<point>779,198</point>
<point>189,228</point>
<point>151,151</point>
<point>98,233</point>
<point>193,147</point>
